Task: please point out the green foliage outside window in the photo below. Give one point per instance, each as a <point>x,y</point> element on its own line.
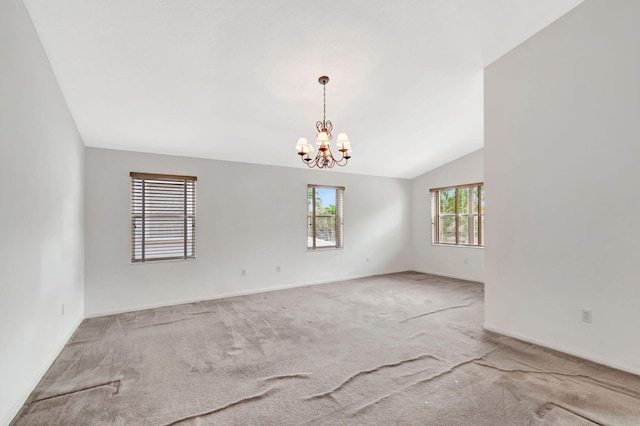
<point>458,215</point>
<point>324,214</point>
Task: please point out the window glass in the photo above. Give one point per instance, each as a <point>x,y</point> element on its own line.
<point>324,217</point>
<point>163,221</point>
<point>457,215</point>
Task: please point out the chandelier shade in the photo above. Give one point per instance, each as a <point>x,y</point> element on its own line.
<point>323,138</point>
<point>304,146</point>
<point>324,159</point>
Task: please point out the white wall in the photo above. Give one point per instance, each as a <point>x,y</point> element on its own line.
<point>248,216</point>
<point>41,212</point>
<point>451,261</point>
<point>562,181</point>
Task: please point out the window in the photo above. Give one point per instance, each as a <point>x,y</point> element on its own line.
<point>324,217</point>
<point>457,215</point>
<point>163,217</point>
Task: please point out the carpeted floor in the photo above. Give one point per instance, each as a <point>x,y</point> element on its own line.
<point>405,349</point>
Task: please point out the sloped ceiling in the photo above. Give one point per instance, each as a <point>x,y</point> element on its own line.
<point>237,79</point>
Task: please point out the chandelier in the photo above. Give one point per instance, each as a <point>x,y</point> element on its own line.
<point>324,159</point>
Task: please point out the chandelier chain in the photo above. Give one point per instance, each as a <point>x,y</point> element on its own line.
<point>324,103</point>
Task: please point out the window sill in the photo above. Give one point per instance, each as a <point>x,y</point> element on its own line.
<point>457,245</point>
<point>189,259</point>
<point>310,250</point>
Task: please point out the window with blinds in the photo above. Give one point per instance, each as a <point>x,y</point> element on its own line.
<point>163,217</point>
<point>457,215</point>
<point>325,216</point>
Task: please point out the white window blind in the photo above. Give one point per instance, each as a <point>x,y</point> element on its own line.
<point>457,215</point>
<point>325,217</point>
<point>163,217</point>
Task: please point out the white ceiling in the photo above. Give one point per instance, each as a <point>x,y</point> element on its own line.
<point>237,79</point>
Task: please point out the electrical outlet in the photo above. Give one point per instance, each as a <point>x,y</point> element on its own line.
<point>244,272</point>
<point>587,316</point>
<point>367,260</point>
<point>277,268</point>
<point>466,261</point>
<point>62,313</point>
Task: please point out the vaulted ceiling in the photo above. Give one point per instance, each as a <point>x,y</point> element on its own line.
<point>238,79</point>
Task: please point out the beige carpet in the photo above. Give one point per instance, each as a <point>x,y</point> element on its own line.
<point>404,349</point>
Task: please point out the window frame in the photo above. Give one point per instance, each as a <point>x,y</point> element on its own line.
<point>312,218</point>
<point>436,215</point>
<point>139,212</point>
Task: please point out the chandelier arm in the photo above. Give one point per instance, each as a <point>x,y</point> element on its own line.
<point>325,160</point>
<point>328,159</point>
<point>308,161</point>
<point>344,159</point>
<point>333,159</point>
<point>311,164</point>
<point>341,161</point>
<point>329,127</point>
<point>321,161</point>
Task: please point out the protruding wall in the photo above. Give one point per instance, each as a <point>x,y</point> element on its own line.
<point>562,143</point>
<point>41,212</point>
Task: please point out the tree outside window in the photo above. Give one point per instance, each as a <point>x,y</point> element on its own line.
<point>457,215</point>
<point>324,217</point>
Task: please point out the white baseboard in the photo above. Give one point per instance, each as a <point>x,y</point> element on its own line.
<point>566,350</point>
<point>230,294</point>
<point>9,416</point>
